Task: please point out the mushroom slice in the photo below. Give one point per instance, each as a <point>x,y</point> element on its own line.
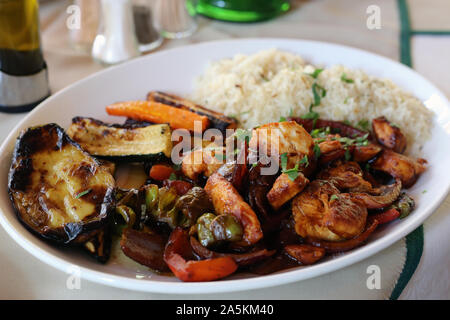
<point>347,175</point>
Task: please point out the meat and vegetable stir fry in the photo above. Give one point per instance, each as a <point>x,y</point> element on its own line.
<point>212,215</point>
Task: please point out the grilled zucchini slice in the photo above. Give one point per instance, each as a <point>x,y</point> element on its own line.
<point>58,190</point>
<point>122,142</point>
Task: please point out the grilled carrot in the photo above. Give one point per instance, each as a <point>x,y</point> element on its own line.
<point>159,113</point>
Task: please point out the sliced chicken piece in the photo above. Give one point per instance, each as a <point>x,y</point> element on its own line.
<point>365,153</point>
<point>321,212</point>
<point>330,150</point>
<point>347,176</point>
<point>388,135</point>
<point>284,189</point>
<point>277,138</point>
<point>226,200</point>
<point>203,161</point>
<point>401,167</point>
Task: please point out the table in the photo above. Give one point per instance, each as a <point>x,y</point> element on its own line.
<point>425,43</point>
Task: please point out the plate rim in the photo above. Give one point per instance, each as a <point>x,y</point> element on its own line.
<point>222,286</point>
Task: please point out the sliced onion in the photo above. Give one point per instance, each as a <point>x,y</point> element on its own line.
<point>242,259</point>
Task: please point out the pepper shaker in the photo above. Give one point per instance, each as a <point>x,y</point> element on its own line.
<point>116,41</point>
<point>176,19</point>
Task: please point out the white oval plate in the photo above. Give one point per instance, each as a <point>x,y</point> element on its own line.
<point>174,71</point>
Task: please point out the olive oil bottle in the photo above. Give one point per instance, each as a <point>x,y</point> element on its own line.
<point>23,72</point>
<point>239,10</point>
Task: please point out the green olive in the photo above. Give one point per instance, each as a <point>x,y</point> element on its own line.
<point>151,196</point>
<point>128,214</point>
<point>226,228</point>
<point>205,236</point>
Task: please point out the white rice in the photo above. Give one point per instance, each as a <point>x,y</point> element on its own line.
<point>265,86</point>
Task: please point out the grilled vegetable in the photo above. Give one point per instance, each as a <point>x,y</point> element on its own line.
<point>218,120</point>
<point>191,270</point>
<point>227,200</point>
<point>226,228</point>
<point>159,113</point>
<point>213,230</point>
<point>166,209</point>
<point>58,190</point>
<point>161,172</point>
<point>192,205</point>
<point>100,245</point>
<point>242,259</point>
<point>121,142</point>
<point>404,204</point>
<point>303,253</point>
<point>145,248</point>
<point>205,235</point>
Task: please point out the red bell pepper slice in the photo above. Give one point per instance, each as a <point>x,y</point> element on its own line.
<point>386,216</point>
<point>193,271</point>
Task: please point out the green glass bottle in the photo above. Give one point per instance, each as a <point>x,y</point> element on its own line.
<point>239,10</point>
<point>23,72</point>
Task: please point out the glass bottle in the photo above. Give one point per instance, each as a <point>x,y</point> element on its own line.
<point>23,72</point>
<point>176,18</point>
<point>240,10</point>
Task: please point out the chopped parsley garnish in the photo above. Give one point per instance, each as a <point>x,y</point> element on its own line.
<point>334,197</point>
<point>283,119</point>
<point>319,92</point>
<point>304,161</point>
<point>292,173</point>
<point>234,116</point>
<point>348,156</point>
<point>320,132</point>
<point>283,160</point>
<point>345,79</point>
<point>363,124</point>
<point>315,74</point>
<point>243,135</point>
<point>311,115</point>
<point>316,151</point>
<point>82,193</point>
<point>172,177</point>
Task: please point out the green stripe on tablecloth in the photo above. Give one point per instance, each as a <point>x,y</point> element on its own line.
<point>414,241</point>
<point>414,250</point>
<point>405,33</point>
<point>431,32</point>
